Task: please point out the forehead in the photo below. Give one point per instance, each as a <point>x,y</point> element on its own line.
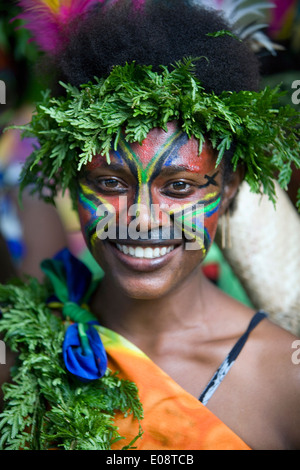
<point>171,148</point>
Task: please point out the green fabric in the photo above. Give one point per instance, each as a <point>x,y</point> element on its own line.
<point>90,262</point>
<point>54,270</point>
<point>76,313</point>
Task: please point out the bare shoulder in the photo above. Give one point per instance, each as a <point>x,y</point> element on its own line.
<point>277,358</point>
<point>283,349</point>
<point>261,391</point>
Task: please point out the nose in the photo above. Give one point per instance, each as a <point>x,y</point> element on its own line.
<point>149,215</point>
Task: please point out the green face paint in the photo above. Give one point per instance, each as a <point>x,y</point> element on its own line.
<point>164,171</point>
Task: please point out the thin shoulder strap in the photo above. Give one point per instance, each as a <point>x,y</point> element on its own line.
<point>230,359</point>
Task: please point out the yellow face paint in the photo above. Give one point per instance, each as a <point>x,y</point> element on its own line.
<point>144,167</point>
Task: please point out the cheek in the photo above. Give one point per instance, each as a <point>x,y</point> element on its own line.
<point>210,225</point>
<point>88,204</point>
<point>95,211</point>
<point>197,219</point>
<point>211,217</point>
<point>199,222</point>
<point>87,215</point>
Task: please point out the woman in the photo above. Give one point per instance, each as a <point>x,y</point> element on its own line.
<point>163,325</point>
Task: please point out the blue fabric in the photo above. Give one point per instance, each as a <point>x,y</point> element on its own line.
<point>78,276</point>
<point>85,363</point>
<point>83,352</point>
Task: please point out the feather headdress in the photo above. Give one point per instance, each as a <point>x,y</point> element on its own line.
<point>247,21</point>
<point>47,20</point>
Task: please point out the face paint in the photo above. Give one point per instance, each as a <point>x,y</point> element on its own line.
<point>194,221</point>
<point>144,171</point>
<point>89,203</point>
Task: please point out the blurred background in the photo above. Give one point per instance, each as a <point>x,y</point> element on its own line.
<point>36,230</point>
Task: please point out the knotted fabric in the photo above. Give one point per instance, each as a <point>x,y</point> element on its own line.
<point>83,352</point>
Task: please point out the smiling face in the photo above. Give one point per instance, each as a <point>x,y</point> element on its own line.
<point>176,196</point>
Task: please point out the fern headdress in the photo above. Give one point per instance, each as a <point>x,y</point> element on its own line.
<point>88,120</point>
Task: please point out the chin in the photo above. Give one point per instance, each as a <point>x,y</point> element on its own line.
<point>149,288</point>
<point>142,278</point>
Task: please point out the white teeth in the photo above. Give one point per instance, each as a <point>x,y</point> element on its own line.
<point>149,253</point>
<point>139,252</point>
<point>156,252</point>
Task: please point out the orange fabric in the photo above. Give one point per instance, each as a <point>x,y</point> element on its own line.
<point>173,419</point>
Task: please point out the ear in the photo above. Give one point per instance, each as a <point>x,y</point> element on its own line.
<point>230,188</point>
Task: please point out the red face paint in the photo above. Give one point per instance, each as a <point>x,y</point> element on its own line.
<point>165,170</point>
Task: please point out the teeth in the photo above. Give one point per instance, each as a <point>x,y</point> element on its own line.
<point>149,253</point>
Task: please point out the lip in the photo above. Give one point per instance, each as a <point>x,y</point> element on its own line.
<point>146,242</point>
<point>144,264</point>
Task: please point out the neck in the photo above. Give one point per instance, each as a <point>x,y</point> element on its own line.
<point>177,310</point>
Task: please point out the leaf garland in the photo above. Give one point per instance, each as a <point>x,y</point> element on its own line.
<point>45,406</point>
<point>134,99</point>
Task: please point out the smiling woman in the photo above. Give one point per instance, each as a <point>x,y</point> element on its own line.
<point>155,356</point>
<point>166,196</point>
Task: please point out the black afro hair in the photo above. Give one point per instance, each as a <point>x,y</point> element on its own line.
<point>161,33</point>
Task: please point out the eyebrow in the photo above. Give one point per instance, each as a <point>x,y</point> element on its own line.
<point>109,166</point>
<point>170,170</point>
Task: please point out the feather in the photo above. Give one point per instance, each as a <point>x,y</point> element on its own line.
<point>243,17</point>
<point>262,39</point>
<point>243,12</point>
<point>251,30</point>
<point>282,18</point>
<point>47,19</point>
<point>229,7</point>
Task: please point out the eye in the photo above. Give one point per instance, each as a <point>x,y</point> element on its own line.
<point>110,185</point>
<point>178,188</point>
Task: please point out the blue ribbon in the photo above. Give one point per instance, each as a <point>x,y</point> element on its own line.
<point>84,354</point>
<point>83,351</point>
